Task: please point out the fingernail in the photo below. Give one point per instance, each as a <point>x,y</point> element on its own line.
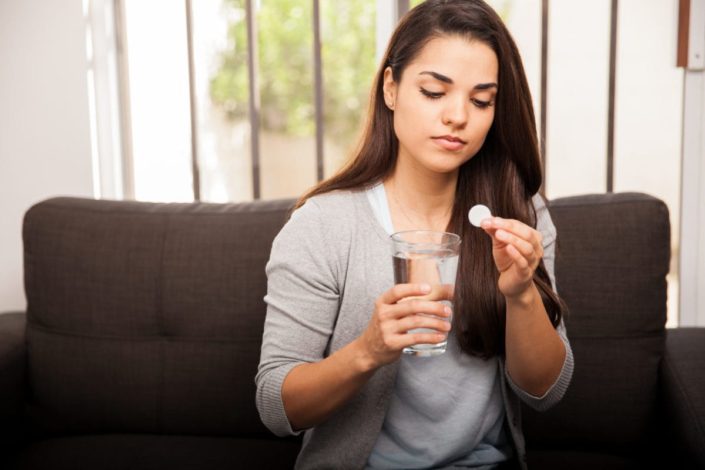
<point>425,288</point>
<point>487,223</point>
<point>447,310</point>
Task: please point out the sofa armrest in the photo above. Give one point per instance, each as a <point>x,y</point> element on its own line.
<point>682,385</point>
<point>13,361</point>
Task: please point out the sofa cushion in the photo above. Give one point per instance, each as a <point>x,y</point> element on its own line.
<point>611,264</point>
<point>578,460</point>
<point>147,317</point>
<point>153,452</point>
<point>682,386</point>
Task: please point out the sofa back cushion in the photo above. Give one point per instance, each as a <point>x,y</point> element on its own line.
<point>147,317</point>
<point>613,254</point>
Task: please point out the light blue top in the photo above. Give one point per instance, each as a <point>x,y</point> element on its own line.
<point>446,411</point>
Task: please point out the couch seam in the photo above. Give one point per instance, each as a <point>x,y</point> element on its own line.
<point>55,205</point>
<point>650,336</point>
<point>566,202</point>
<point>188,339</point>
<point>205,339</point>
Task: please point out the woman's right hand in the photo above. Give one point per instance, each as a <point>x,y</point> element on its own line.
<point>402,308</point>
<point>311,392</point>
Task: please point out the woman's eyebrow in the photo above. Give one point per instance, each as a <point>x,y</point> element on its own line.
<point>484,86</point>
<point>443,78</point>
<point>437,76</point>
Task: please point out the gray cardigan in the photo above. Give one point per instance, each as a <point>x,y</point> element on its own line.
<point>328,265</point>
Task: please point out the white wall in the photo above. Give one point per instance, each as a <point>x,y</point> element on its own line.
<point>45,147</point>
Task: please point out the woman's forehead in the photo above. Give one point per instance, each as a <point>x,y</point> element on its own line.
<point>457,58</point>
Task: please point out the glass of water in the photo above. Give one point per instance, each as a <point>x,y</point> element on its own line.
<point>425,256</point>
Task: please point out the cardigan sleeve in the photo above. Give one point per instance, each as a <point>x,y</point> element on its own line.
<point>302,304</point>
<point>556,391</point>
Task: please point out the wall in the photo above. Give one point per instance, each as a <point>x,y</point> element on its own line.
<point>45,147</point>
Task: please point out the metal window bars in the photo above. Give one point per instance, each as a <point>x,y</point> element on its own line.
<point>402,6</point>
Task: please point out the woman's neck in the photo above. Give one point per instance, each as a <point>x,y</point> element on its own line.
<point>419,200</point>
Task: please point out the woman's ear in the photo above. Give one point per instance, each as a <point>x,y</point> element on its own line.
<point>389,88</point>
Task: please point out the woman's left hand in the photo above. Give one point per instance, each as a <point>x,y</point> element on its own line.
<point>517,250</point>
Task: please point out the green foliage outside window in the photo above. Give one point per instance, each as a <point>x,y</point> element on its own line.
<point>285,75</point>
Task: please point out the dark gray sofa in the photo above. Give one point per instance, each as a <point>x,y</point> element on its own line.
<point>142,334</point>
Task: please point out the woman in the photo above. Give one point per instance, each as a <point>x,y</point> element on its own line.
<point>450,125</point>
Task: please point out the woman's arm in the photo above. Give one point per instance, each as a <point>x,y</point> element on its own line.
<point>312,392</point>
<point>298,384</point>
<point>535,352</point>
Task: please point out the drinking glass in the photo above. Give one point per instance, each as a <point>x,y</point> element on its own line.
<point>425,256</point>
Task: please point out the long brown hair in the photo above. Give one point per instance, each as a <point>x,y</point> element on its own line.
<point>504,174</point>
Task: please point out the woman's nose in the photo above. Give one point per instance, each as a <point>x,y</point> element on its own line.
<point>456,113</point>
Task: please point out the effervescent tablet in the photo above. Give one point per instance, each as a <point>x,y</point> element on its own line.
<point>478,213</point>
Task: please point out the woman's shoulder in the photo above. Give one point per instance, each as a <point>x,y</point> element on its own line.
<point>544,223</point>
<point>332,205</point>
<point>337,198</point>
<point>539,202</point>
<point>334,210</point>
<point>323,227</point>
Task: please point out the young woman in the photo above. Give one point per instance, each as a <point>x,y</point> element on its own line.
<point>450,125</point>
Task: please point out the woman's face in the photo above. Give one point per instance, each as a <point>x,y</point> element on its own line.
<point>444,103</point>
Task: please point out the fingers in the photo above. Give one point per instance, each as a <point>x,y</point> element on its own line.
<point>523,238</point>
<point>414,306</point>
<point>396,326</point>
<point>524,247</point>
<point>400,291</point>
<point>515,228</point>
<point>511,225</point>
<point>401,341</point>
<point>441,292</point>
<point>520,261</point>
<point>414,322</point>
<point>411,339</point>
<point>438,292</point>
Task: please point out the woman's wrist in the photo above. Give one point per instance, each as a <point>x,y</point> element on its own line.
<point>362,360</point>
<point>523,299</point>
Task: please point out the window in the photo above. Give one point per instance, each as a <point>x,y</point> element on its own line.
<point>158,100</point>
<point>243,99</point>
<point>229,119</point>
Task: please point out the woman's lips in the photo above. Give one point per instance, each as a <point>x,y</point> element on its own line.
<point>449,143</point>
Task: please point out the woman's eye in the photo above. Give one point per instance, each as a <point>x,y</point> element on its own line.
<point>481,104</point>
<point>431,94</point>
